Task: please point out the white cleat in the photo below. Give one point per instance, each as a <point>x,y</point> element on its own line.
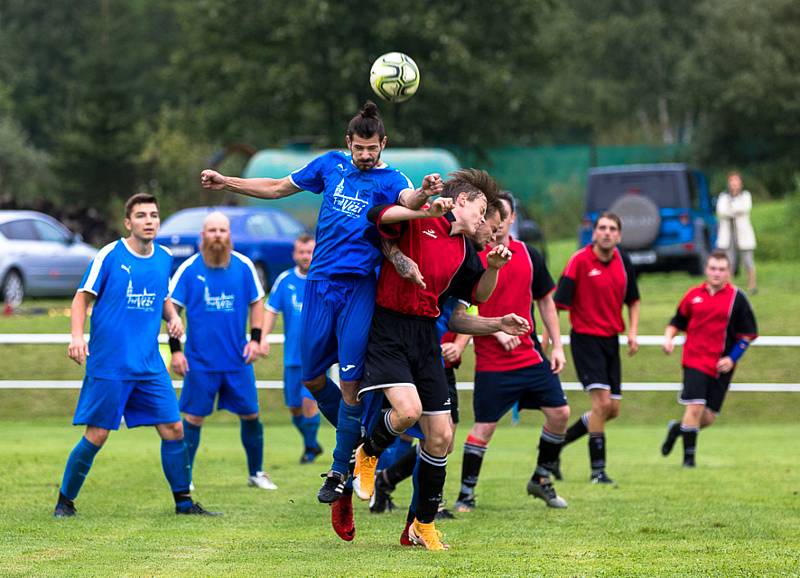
<point>261,480</point>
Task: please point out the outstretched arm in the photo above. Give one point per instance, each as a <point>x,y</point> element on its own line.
<point>262,188</point>
<point>398,214</point>
<point>461,322</point>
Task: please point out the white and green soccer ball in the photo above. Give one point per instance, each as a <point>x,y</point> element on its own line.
<point>394,77</point>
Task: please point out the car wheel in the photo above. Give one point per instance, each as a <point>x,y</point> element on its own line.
<point>13,289</point>
<point>263,277</point>
<point>641,221</point>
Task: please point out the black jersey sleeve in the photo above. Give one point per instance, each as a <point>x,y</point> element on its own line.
<point>681,318</point>
<point>542,280</point>
<point>632,287</point>
<point>743,319</point>
<point>467,277</point>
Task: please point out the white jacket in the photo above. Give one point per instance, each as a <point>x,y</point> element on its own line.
<point>733,214</point>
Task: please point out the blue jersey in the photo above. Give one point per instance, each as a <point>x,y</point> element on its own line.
<point>286,297</point>
<point>347,244</point>
<point>130,291</point>
<point>217,301</point>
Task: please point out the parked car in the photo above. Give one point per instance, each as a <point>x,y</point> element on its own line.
<point>263,234</point>
<point>667,214</point>
<point>39,257</point>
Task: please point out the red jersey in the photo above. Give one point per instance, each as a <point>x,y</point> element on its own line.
<point>522,280</point>
<point>713,324</point>
<point>593,292</point>
<point>448,263</point>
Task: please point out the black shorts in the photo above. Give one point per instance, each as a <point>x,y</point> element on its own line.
<point>699,387</point>
<point>597,362</point>
<point>404,351</point>
<point>450,374</point>
<point>533,387</point>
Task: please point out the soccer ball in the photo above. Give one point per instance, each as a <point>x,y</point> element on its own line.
<point>394,77</point>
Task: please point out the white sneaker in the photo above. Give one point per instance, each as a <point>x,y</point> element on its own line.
<point>191,486</point>
<point>261,480</point>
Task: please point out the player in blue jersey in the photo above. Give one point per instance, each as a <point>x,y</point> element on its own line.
<point>286,297</point>
<point>218,287</point>
<point>341,284</point>
<point>125,376</point>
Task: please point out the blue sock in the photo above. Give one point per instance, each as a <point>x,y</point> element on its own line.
<point>415,484</point>
<point>393,453</point>
<point>175,461</point>
<point>328,399</point>
<point>310,428</point>
<point>191,438</point>
<point>348,433</point>
<point>77,468</point>
<point>253,441</point>
<point>299,423</point>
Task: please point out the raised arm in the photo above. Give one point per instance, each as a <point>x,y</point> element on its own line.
<point>398,214</point>
<point>78,349</point>
<point>262,188</point>
<point>415,198</point>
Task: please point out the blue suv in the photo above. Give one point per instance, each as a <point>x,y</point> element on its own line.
<point>667,214</point>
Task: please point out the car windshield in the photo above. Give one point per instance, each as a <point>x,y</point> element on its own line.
<point>190,222</point>
<point>660,187</point>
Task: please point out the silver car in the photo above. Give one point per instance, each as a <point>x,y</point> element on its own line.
<point>39,257</point>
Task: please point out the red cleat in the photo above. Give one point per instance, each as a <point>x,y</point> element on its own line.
<point>404,539</point>
<point>342,518</point>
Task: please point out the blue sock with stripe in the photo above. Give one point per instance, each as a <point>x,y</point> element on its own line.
<point>252,433</point>
<point>78,465</point>
<point>191,438</point>
<point>298,421</point>
<point>175,462</point>
<point>348,432</point>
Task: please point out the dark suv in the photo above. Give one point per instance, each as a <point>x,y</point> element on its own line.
<point>667,215</point>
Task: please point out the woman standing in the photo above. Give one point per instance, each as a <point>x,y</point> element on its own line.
<point>735,229</point>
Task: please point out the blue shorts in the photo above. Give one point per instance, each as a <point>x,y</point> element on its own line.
<point>293,389</point>
<point>104,402</point>
<point>334,326</point>
<point>236,389</point>
<point>533,387</point>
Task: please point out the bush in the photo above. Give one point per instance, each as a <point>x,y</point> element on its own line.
<point>775,224</point>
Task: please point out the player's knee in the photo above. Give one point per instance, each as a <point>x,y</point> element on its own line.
<point>249,417</point>
<point>483,431</point>
<point>295,411</point>
<point>316,384</point>
<point>709,417</point>
<point>406,414</point>
<point>171,431</point>
<point>557,419</point>
<point>438,441</point>
<point>613,411</point>
<point>97,436</point>
<point>195,420</point>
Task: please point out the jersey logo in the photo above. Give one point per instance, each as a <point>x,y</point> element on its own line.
<point>221,302</point>
<point>350,206</point>
<point>142,301</point>
<point>431,233</point>
<point>447,403</point>
<point>347,368</point>
<point>201,278</point>
<point>126,268</point>
<point>595,272</point>
<point>697,300</point>
<point>341,167</point>
<point>297,305</point>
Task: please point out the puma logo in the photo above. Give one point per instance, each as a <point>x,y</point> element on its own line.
<point>126,268</point>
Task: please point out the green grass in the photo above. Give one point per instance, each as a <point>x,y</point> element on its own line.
<point>734,515</point>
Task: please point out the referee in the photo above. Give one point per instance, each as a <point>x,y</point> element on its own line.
<point>595,284</point>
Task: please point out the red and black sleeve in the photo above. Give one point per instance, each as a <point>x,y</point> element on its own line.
<point>681,318</point>
<point>542,283</point>
<point>632,287</point>
<point>390,230</point>
<point>743,320</point>
<point>466,279</point>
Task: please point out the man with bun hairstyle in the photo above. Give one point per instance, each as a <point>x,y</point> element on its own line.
<point>340,290</point>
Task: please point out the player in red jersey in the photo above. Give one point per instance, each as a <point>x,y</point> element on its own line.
<point>719,325</point>
<point>403,355</point>
<point>597,281</point>
<point>512,369</point>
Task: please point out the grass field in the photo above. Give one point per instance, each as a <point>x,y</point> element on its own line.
<point>736,514</point>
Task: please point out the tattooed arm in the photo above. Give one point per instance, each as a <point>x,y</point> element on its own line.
<point>404,266</point>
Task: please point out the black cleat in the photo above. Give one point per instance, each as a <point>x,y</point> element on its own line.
<point>332,487</point>
<point>444,514</point>
<point>673,432</point>
<point>689,463</point>
<point>544,490</point>
<point>600,477</point>
<point>196,509</point>
<point>310,455</point>
<point>381,500</point>
<point>64,510</point>
<point>465,504</point>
